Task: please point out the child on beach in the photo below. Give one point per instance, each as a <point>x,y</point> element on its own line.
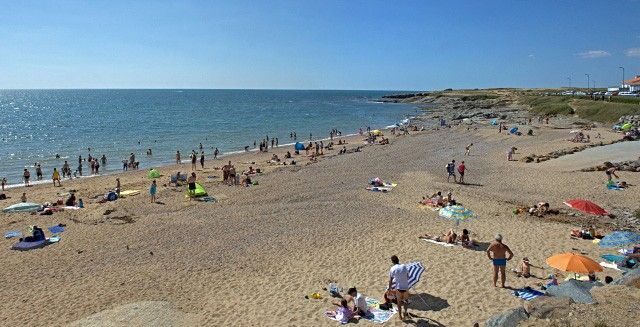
<point>153,189</point>
<point>342,314</point>
<point>56,177</point>
<point>468,149</point>
<point>23,198</point>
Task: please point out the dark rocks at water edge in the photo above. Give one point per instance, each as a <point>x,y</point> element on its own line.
<point>559,153</point>
<point>631,165</point>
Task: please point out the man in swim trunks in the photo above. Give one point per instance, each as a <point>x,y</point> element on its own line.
<point>192,185</point>
<point>501,254</point>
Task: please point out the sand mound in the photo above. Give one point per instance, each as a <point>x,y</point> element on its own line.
<point>144,313</point>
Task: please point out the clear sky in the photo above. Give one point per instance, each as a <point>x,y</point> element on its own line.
<point>322,44</point>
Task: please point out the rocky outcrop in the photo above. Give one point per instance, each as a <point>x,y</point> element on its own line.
<point>564,152</point>
<point>631,165</point>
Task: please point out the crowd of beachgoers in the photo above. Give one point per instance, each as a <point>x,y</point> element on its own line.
<point>252,170</point>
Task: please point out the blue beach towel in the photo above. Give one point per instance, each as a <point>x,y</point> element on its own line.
<point>612,257</point>
<point>527,294</point>
<point>56,229</point>
<point>12,234</point>
<point>614,187</point>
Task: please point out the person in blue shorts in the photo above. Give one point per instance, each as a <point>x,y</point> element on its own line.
<point>499,253</point>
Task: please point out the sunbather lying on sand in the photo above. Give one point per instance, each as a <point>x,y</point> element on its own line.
<point>587,234</point>
<point>448,237</point>
<point>435,200</point>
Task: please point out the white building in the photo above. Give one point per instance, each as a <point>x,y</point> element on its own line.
<point>633,84</point>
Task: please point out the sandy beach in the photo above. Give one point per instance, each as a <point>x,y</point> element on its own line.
<point>250,258</point>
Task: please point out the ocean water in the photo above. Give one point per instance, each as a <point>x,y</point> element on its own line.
<point>35,125</point>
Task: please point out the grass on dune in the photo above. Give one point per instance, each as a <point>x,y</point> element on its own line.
<point>601,111</point>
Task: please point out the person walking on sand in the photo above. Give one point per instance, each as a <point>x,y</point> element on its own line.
<point>26,175</point>
<point>153,189</point>
<point>202,160</point>
<point>399,282</point>
<point>56,177</point>
<point>511,152</point>
<point>461,169</point>
<point>468,149</point>
<point>4,183</point>
<point>499,253</point>
<point>178,161</point>
<point>216,152</point>
<point>451,171</point>
<point>192,186</point>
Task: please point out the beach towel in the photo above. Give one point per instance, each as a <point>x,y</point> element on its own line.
<point>129,193</point>
<point>26,246</point>
<point>526,294</point>
<point>612,258</point>
<point>53,239</point>
<point>22,207</point>
<point>439,243</point>
<point>379,189</point>
<point>70,208</point>
<point>610,265</point>
<point>614,187</point>
<point>377,315</point>
<point>428,206</point>
<point>12,234</point>
<point>56,229</point>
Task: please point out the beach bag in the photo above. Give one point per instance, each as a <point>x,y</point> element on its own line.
<point>111,196</point>
<point>3,196</point>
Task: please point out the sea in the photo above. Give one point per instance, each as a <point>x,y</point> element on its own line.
<point>51,126</point>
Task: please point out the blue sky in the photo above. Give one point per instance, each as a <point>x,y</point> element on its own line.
<point>385,45</point>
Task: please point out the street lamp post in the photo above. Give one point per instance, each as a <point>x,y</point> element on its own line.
<point>588,82</point>
<point>594,85</point>
<point>622,85</point>
<point>569,78</point>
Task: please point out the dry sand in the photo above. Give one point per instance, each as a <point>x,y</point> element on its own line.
<point>250,259</point>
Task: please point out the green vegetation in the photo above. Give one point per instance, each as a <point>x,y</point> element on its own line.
<point>549,105</point>
<point>600,111</point>
<point>605,112</point>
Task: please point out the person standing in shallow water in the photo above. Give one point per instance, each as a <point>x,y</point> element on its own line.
<point>216,152</point>
<point>26,175</point>
<point>178,161</point>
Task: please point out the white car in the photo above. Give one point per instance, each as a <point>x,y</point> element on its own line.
<point>627,94</point>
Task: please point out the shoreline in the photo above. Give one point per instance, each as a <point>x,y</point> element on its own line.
<point>181,251</point>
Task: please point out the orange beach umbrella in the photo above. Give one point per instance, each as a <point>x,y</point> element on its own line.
<point>574,263</point>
